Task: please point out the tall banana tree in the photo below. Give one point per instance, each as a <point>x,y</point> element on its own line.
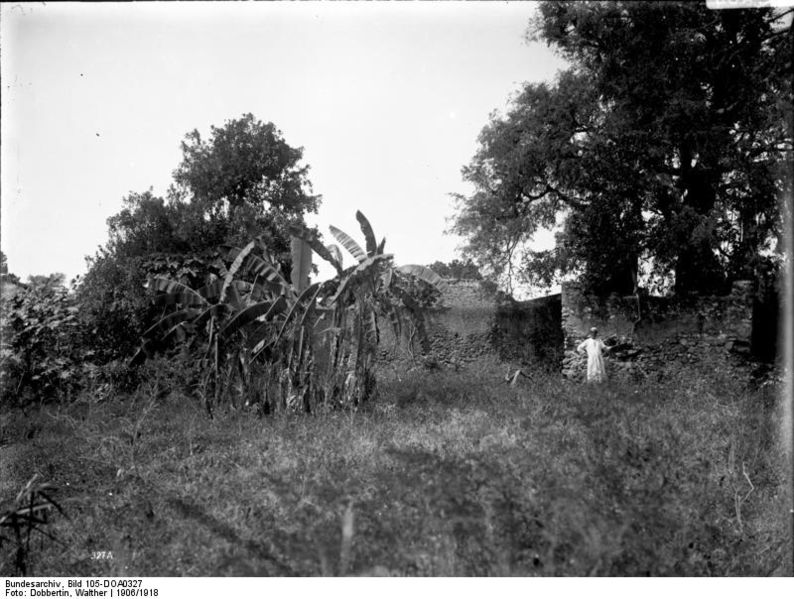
<point>292,345</point>
<point>221,320</point>
<point>369,293</point>
<point>392,287</point>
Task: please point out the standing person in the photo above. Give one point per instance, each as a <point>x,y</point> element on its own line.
<point>595,348</point>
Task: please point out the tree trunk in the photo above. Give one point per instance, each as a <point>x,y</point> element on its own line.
<point>698,269</point>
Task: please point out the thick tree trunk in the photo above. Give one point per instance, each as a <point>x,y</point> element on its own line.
<point>698,269</point>
<point>623,280</point>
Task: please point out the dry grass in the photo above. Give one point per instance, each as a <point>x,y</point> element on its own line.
<point>447,474</point>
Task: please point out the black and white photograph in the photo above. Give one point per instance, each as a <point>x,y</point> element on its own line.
<point>426,290</point>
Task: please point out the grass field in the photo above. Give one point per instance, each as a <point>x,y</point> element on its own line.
<point>447,474</point>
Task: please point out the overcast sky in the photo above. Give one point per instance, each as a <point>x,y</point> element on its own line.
<point>387,100</point>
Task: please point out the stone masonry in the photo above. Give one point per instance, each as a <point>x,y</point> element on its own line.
<point>471,322</point>
<point>649,333</point>
<point>458,328</point>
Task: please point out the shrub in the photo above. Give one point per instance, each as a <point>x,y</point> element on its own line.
<point>44,344</point>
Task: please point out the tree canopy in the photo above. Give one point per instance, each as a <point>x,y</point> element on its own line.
<point>245,179</point>
<point>241,182</point>
<point>456,269</point>
<point>661,144</point>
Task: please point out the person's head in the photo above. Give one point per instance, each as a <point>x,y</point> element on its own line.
<point>594,332</point>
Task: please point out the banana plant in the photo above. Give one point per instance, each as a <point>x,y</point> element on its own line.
<point>217,319</point>
<point>369,292</point>
<point>295,344</point>
<point>392,286</point>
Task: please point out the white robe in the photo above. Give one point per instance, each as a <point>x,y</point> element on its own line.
<point>596,372</point>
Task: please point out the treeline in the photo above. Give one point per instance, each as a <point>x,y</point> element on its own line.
<point>663,151</point>
<point>208,291</point>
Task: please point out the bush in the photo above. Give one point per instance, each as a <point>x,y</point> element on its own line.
<point>44,350</point>
<point>114,305</point>
<point>52,350</point>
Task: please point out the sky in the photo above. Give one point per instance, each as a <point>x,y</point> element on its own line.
<point>386,99</point>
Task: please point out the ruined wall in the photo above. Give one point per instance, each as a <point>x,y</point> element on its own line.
<point>530,332</point>
<point>651,333</point>
<point>471,322</point>
<point>648,334</point>
<point>458,328</point>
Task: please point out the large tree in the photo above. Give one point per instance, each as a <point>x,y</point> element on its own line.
<point>662,141</point>
<point>243,181</point>
<point>246,179</point>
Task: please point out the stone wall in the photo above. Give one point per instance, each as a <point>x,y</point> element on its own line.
<point>458,328</point>
<point>649,333</point>
<point>530,332</point>
<point>471,322</point>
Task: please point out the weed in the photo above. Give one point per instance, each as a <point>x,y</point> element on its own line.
<point>28,514</point>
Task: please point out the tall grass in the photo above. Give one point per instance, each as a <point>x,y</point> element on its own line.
<point>446,474</point>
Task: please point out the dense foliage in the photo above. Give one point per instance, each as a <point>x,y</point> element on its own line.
<point>42,351</point>
<point>243,181</point>
<point>457,269</point>
<point>214,306</point>
<point>257,338</point>
<point>663,142</point>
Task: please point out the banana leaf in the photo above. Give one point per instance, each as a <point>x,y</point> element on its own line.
<point>173,292</point>
<point>169,320</point>
<point>309,293</point>
<point>251,314</point>
<point>330,254</point>
<point>369,235</point>
<point>421,272</point>
<point>268,273</point>
<point>357,272</point>
<point>349,244</point>
<point>336,253</point>
<point>238,261</point>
